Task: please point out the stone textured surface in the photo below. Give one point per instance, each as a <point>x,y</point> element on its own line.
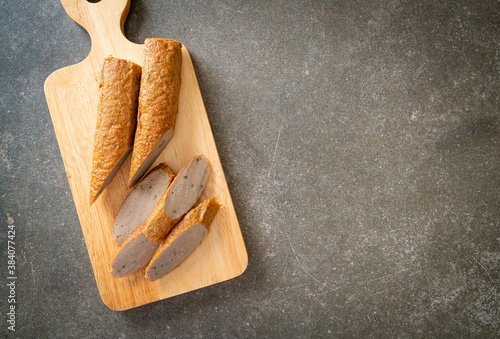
<point>361,143</point>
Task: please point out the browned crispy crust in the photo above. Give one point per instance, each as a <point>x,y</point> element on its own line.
<point>116,119</point>
<point>159,223</point>
<point>204,214</point>
<point>158,98</point>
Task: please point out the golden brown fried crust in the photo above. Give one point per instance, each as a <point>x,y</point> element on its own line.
<point>159,223</point>
<point>158,98</point>
<point>116,118</point>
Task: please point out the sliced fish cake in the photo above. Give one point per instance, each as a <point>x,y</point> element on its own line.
<point>183,239</point>
<point>178,199</point>
<point>141,201</point>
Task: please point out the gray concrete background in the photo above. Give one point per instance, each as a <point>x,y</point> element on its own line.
<point>360,140</point>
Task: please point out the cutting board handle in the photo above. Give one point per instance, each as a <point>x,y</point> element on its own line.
<point>103,20</point>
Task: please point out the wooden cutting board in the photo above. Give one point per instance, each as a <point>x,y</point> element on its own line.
<point>71,95</point>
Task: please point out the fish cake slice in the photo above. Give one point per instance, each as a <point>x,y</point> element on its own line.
<point>141,201</point>
<point>183,239</point>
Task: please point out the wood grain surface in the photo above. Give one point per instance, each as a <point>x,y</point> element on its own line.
<point>72,94</point>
